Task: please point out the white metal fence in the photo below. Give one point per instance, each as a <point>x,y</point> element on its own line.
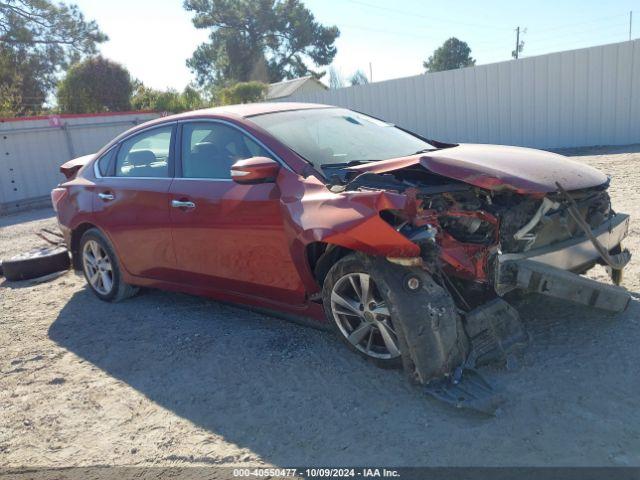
<point>574,98</point>
<point>32,150</point>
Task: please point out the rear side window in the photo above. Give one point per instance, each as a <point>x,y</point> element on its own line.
<point>146,154</point>
<point>209,149</point>
<point>104,162</point>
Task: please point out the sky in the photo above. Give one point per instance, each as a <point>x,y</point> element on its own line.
<point>153,39</point>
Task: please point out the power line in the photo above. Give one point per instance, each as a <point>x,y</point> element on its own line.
<point>594,20</point>
<point>428,17</point>
<point>584,43</point>
<point>547,40</point>
<point>392,32</point>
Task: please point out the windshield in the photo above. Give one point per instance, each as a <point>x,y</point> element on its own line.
<point>330,136</point>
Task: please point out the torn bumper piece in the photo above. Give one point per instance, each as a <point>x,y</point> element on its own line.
<point>544,279</point>
<point>576,253</point>
<point>548,270</point>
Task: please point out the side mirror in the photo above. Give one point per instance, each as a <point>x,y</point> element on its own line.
<point>255,170</point>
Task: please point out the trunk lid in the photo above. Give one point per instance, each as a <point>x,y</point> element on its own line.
<point>70,169</point>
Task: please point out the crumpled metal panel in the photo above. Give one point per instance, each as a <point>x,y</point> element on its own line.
<point>496,167</point>
<point>347,219</point>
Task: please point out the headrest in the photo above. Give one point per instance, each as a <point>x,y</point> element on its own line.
<point>141,157</point>
<point>207,149</point>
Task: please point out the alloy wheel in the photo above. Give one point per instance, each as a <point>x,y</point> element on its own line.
<point>97,267</point>
<point>363,317</point>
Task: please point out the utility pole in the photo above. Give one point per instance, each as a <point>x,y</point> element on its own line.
<point>519,45</point>
<point>630,22</point>
<point>371,72</point>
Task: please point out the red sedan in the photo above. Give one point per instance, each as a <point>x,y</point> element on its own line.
<point>405,245</point>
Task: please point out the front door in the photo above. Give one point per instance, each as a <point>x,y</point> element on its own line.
<point>227,235</point>
<point>132,202</point>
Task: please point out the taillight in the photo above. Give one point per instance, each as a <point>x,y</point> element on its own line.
<point>57,194</point>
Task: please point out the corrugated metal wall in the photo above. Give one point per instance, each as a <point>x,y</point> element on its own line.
<point>575,98</point>
<point>32,150</point>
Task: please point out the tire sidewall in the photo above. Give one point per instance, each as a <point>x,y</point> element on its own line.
<point>36,264</point>
<point>97,236</point>
<point>354,263</point>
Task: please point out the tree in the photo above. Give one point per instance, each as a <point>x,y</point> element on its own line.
<point>243,92</point>
<point>145,98</point>
<point>452,54</point>
<point>38,39</point>
<point>520,47</point>
<point>266,40</point>
<point>95,85</point>
<point>358,78</point>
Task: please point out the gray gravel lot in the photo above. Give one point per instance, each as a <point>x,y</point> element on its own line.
<point>169,379</point>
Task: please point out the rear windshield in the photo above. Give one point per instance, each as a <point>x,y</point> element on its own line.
<point>329,136</point>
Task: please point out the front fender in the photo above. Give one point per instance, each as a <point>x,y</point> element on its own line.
<point>312,213</point>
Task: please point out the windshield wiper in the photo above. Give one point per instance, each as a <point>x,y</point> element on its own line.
<point>424,150</point>
<point>347,164</point>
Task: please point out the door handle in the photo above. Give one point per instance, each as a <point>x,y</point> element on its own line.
<point>182,204</point>
<point>106,196</point>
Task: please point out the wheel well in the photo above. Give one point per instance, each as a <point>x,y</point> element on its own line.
<point>76,235</point>
<point>321,257</point>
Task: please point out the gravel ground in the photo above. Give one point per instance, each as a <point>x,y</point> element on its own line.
<point>169,379</point>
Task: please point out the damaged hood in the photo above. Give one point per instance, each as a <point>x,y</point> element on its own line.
<point>496,167</point>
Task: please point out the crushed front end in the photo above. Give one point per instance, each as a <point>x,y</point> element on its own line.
<point>481,240</point>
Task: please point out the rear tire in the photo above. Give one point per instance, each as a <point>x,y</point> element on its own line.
<point>102,269</point>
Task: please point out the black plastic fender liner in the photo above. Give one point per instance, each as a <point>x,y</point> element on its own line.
<point>36,263</point>
<point>495,332</point>
<point>429,330</point>
<point>467,389</point>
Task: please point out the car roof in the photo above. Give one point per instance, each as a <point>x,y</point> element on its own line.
<point>244,110</point>
<point>248,109</point>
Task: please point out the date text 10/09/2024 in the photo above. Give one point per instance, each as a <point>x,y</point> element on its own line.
<point>316,472</point>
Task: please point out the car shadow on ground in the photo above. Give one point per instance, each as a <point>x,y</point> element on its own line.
<point>295,395</point>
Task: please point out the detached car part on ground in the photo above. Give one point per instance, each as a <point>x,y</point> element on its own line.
<point>38,263</point>
<point>409,257</point>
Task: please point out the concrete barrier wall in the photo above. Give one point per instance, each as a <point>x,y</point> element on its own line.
<point>32,150</point>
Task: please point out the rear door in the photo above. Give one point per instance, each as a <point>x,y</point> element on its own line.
<point>132,201</point>
<point>227,235</point>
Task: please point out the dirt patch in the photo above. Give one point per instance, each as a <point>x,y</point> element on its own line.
<point>169,379</point>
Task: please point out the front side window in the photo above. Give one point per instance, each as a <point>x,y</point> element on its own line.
<point>145,154</point>
<point>209,149</point>
<point>337,136</point>
<point>104,162</point>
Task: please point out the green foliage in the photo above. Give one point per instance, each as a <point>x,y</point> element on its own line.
<point>452,54</point>
<point>243,92</point>
<point>358,78</point>
<point>95,85</point>
<point>38,38</point>
<point>516,53</point>
<point>145,98</point>
<point>264,40</point>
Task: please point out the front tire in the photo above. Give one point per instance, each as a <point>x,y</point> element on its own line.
<point>359,312</point>
<point>422,316</point>
<point>101,268</point>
